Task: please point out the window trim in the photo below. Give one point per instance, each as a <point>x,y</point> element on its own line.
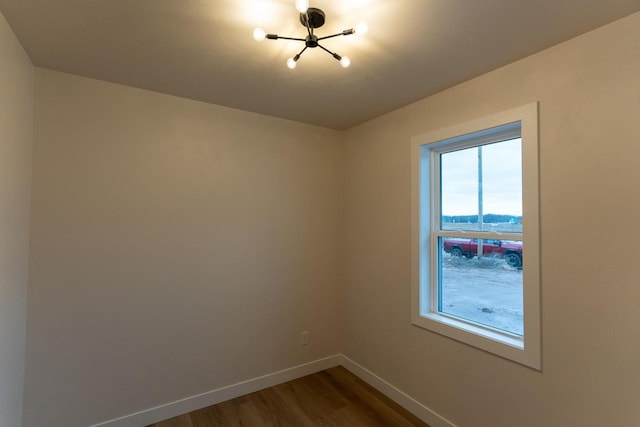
<point>525,350</point>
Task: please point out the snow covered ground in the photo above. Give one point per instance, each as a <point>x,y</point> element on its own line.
<point>485,291</point>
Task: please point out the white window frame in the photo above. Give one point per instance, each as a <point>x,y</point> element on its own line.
<point>525,349</point>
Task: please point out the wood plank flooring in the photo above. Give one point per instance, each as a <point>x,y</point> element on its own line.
<point>331,398</point>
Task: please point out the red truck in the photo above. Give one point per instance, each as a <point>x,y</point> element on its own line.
<point>510,251</point>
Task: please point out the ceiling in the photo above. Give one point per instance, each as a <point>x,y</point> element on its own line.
<point>204,49</point>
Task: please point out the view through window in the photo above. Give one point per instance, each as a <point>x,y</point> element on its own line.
<point>480,279</point>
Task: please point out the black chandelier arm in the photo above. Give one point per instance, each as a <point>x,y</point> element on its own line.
<point>301,52</point>
<point>343,33</point>
<point>277,37</point>
<point>307,24</point>
<point>335,55</point>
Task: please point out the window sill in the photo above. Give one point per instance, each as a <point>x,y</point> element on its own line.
<point>500,343</point>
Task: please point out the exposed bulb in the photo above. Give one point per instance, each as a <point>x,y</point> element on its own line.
<point>259,34</point>
<point>345,61</point>
<point>361,28</point>
<point>292,63</point>
<point>302,5</point>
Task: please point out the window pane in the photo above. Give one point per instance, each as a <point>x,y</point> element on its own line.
<point>485,289</point>
<point>481,188</point>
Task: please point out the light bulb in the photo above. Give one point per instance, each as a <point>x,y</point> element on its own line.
<point>291,63</point>
<point>259,34</point>
<point>302,5</point>
<point>362,28</point>
<point>345,62</point>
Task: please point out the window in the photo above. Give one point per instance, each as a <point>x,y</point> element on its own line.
<point>475,234</point>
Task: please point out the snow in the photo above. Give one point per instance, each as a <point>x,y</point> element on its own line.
<point>485,291</point>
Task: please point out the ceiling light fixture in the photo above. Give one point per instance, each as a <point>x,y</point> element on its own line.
<point>311,18</point>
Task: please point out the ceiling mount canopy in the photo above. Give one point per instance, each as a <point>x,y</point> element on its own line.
<point>311,18</point>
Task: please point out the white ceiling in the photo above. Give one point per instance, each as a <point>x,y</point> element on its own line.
<point>204,50</point>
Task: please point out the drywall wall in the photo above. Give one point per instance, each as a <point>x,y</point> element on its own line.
<point>589,98</point>
<point>16,137</point>
<point>177,247</point>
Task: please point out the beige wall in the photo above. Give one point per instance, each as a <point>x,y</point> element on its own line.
<point>589,94</point>
<point>177,247</point>
<point>16,137</point>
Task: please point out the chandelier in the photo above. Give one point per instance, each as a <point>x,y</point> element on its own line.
<point>311,18</point>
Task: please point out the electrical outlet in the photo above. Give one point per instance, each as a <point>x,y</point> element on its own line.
<point>304,337</point>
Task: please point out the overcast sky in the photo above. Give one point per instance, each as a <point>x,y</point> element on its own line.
<point>502,180</point>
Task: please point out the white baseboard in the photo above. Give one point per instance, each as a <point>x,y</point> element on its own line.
<point>193,403</point>
<point>407,402</point>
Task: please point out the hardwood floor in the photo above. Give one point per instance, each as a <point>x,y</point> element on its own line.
<point>334,397</point>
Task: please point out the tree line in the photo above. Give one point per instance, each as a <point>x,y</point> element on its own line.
<point>487,218</point>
